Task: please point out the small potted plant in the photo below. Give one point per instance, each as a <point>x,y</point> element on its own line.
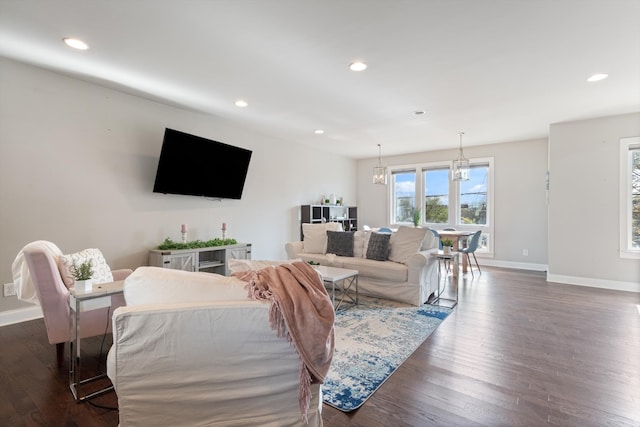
<point>446,245</point>
<point>82,275</point>
<point>416,217</point>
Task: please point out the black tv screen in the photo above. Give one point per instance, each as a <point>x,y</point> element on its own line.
<point>196,166</point>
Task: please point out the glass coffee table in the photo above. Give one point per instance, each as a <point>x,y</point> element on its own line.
<point>342,281</point>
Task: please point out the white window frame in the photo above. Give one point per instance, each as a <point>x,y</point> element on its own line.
<point>626,144</point>
<point>454,200</point>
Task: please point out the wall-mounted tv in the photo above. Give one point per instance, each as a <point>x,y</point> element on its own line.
<point>196,166</point>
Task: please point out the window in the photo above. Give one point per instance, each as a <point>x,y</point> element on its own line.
<point>473,196</point>
<point>630,197</point>
<point>404,195</point>
<point>436,195</point>
<point>464,205</point>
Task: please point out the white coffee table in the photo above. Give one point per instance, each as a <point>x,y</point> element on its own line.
<point>341,280</point>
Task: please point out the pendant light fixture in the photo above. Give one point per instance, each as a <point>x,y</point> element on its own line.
<point>460,171</point>
<point>380,172</point>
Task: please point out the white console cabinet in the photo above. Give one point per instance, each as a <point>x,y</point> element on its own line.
<point>213,259</point>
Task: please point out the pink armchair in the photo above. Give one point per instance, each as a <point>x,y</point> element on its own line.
<point>53,297</point>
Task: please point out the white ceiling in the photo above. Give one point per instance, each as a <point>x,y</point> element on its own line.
<point>499,70</point>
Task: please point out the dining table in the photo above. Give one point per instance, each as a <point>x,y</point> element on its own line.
<point>460,239</point>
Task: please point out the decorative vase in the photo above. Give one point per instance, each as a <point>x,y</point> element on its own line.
<point>83,285</point>
<point>332,199</point>
<point>446,249</point>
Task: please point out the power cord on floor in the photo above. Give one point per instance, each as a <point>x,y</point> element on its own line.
<point>110,408</point>
<point>104,336</point>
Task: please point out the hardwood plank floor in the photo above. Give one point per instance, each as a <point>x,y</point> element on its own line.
<point>517,351</point>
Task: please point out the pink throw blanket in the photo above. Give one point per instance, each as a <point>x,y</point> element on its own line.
<point>302,311</point>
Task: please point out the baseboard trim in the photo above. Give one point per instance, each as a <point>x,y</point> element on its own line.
<point>19,315</point>
<point>594,283</point>
<point>511,264</point>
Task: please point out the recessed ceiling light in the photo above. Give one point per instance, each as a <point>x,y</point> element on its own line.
<point>357,66</point>
<point>75,43</point>
<point>597,77</point>
<point>318,131</point>
<point>241,103</point>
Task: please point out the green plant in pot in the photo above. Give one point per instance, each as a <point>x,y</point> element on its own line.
<point>416,217</point>
<point>82,275</point>
<point>446,245</point>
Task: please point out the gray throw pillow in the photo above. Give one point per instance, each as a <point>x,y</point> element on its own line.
<point>340,243</point>
<point>378,248</point>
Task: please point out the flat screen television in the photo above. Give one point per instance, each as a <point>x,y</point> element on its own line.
<point>196,166</point>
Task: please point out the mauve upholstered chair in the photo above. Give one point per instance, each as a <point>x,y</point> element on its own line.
<point>53,296</point>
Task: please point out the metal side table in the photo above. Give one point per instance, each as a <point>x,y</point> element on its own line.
<point>80,300</point>
<point>451,256</point>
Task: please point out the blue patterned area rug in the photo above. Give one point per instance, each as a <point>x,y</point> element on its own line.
<point>372,340</point>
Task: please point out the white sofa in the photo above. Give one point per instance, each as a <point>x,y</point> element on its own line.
<point>409,274</point>
<point>192,349</point>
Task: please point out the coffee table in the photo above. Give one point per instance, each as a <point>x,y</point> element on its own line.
<point>341,280</point>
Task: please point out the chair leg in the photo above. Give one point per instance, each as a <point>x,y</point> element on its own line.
<point>478,265</point>
<point>469,264</point>
<point>60,353</point>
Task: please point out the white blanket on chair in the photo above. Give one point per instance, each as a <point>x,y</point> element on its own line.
<point>22,282</point>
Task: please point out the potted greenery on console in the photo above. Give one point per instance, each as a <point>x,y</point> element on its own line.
<point>82,275</point>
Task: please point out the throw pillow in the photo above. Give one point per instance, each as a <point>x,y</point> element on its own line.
<point>359,247</point>
<point>378,248</point>
<point>406,242</point>
<point>340,243</point>
<point>101,271</point>
<point>315,236</point>
<point>430,242</point>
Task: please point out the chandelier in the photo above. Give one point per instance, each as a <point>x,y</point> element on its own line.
<point>460,171</point>
<point>379,171</point>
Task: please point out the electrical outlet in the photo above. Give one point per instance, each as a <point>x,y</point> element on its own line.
<point>8,290</point>
<point>525,252</point>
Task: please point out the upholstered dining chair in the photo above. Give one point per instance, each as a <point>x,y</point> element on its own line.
<point>471,249</point>
<point>43,274</point>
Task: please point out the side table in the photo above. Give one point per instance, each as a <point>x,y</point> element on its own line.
<point>80,300</point>
<point>451,256</point>
<point>342,280</point>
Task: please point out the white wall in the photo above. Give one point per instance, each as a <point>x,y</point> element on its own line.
<point>78,161</point>
<point>520,197</point>
<point>584,203</point>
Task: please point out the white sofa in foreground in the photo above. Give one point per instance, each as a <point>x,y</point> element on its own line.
<point>407,273</point>
<point>193,349</point>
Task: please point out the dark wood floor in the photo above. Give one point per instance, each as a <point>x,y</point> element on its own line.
<point>517,351</point>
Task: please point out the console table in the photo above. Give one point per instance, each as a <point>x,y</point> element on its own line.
<point>213,259</point>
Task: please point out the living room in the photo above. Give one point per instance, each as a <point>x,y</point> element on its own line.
<point>78,159</point>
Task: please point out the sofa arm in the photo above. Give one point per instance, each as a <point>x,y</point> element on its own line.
<point>293,249</point>
<point>422,267</point>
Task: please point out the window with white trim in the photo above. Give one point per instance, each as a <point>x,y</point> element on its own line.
<point>443,203</point>
<point>630,197</point>
<point>403,203</point>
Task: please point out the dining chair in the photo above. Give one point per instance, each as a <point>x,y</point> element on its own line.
<point>471,249</point>
<point>437,235</point>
